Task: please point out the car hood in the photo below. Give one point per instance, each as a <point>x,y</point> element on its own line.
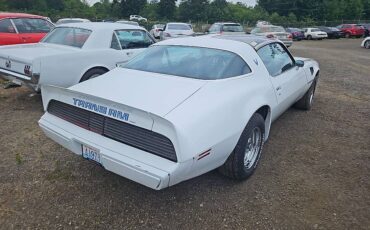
<point>30,52</point>
<point>151,92</point>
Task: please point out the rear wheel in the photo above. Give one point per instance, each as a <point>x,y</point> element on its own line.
<point>348,35</point>
<point>309,37</point>
<point>93,73</point>
<point>305,103</point>
<point>244,159</point>
<point>367,45</point>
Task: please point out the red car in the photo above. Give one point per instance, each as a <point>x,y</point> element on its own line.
<point>17,28</point>
<point>352,30</point>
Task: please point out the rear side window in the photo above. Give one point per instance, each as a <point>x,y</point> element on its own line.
<point>276,59</point>
<point>32,25</point>
<point>115,43</point>
<point>6,26</point>
<point>134,39</point>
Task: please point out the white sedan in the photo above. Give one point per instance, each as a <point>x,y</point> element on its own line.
<point>182,108</point>
<point>72,53</point>
<point>366,43</point>
<point>314,33</point>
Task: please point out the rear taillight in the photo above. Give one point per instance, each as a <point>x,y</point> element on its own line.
<point>290,36</point>
<point>27,70</point>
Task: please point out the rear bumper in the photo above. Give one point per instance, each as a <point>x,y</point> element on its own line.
<point>120,159</point>
<point>21,79</point>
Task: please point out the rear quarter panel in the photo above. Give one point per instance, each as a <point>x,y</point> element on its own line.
<point>215,117</point>
<point>67,70</point>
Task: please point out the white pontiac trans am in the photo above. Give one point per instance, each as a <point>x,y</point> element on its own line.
<point>72,53</point>
<point>182,108</point>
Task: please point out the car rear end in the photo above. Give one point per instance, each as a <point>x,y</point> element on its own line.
<point>125,140</point>
<point>20,71</point>
<point>177,30</point>
<point>358,30</point>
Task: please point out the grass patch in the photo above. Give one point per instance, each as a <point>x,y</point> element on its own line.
<point>18,159</point>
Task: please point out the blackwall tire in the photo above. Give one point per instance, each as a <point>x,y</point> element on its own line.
<point>93,73</point>
<point>244,159</point>
<point>305,103</point>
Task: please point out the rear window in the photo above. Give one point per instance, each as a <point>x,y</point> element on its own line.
<point>32,25</point>
<point>178,27</point>
<point>190,62</point>
<point>232,28</point>
<point>68,36</point>
<point>131,39</point>
<point>6,26</point>
<point>315,30</point>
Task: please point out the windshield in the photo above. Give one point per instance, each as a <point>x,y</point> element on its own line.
<point>268,29</point>
<point>334,29</point>
<point>178,27</point>
<point>68,36</point>
<point>191,62</point>
<point>232,28</point>
<point>130,39</point>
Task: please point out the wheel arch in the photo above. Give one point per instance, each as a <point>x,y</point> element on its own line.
<point>265,112</point>
<point>92,68</point>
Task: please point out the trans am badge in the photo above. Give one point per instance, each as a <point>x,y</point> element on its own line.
<point>104,110</point>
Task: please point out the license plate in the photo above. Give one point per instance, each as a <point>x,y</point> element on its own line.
<point>91,154</point>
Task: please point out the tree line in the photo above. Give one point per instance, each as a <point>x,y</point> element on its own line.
<point>276,11</point>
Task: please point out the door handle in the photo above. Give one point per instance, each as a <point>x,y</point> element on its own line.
<point>278,88</point>
<point>129,53</point>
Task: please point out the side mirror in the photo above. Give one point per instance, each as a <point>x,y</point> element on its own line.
<point>248,32</point>
<point>299,63</point>
<point>160,29</point>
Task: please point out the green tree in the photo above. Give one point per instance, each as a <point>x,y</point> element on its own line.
<point>167,9</point>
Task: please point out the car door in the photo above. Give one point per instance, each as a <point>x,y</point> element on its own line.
<point>8,33</point>
<point>289,80</point>
<point>130,42</point>
<point>32,30</point>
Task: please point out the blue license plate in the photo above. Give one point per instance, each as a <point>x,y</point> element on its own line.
<point>91,154</point>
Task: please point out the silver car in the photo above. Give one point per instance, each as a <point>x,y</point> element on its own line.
<point>226,28</point>
<point>274,32</point>
<point>156,30</point>
<point>175,30</point>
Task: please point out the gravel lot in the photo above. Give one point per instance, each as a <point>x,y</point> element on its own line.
<point>314,172</point>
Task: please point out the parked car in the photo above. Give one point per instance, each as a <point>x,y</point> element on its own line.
<point>332,32</point>
<point>16,28</point>
<point>296,33</point>
<point>314,34</point>
<point>175,30</point>
<point>156,30</point>
<point>71,20</point>
<point>352,30</point>
<point>226,28</point>
<point>366,43</point>
<point>137,18</point>
<point>367,29</point>
<point>72,53</point>
<point>128,22</point>
<point>182,108</point>
<point>274,32</point>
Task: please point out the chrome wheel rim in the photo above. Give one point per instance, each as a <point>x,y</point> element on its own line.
<point>311,97</point>
<point>367,45</point>
<point>253,148</point>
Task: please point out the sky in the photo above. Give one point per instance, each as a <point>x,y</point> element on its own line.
<point>249,2</point>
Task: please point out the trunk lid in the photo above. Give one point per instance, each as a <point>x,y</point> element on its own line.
<point>20,58</point>
<point>126,93</point>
